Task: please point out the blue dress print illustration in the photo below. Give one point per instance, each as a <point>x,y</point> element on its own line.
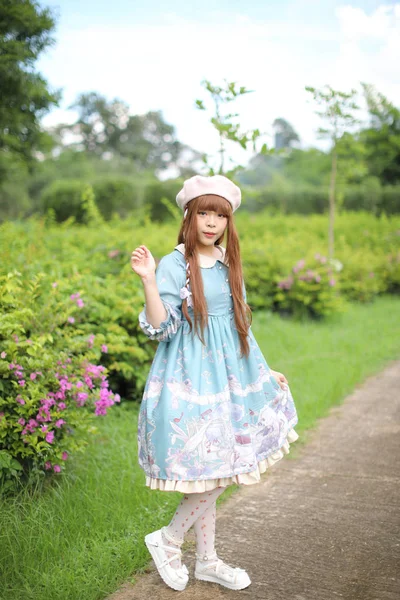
<point>208,418</point>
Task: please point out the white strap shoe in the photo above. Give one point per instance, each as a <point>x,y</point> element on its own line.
<point>215,570</point>
<point>174,578</point>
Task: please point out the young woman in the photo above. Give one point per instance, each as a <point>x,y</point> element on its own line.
<point>213,412</point>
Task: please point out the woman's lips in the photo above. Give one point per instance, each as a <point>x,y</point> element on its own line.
<point>209,234</point>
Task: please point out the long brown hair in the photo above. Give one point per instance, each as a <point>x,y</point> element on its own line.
<point>188,236</point>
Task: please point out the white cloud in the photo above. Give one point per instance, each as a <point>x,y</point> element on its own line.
<point>161,66</point>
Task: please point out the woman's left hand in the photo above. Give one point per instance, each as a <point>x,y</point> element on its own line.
<point>281,379</point>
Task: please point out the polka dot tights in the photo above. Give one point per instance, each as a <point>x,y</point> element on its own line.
<point>198,510</point>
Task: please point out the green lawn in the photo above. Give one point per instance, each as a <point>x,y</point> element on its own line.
<point>83,537</point>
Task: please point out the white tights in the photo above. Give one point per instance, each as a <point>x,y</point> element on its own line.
<point>198,510</point>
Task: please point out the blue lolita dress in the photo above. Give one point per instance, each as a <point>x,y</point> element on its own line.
<point>208,418</point>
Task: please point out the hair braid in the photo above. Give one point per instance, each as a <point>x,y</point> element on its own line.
<point>187,284</point>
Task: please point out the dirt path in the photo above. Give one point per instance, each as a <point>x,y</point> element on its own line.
<point>323,526</point>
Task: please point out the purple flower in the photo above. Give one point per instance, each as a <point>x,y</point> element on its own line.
<point>81,398</point>
<point>21,382</point>
<point>50,437</point>
<point>59,422</point>
<point>57,468</point>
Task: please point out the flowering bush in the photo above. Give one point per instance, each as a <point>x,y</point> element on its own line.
<point>311,291</point>
<point>51,390</point>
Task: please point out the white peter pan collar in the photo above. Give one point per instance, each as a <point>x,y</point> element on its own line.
<point>204,260</point>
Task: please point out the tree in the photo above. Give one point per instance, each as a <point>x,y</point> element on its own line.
<point>224,124</point>
<point>24,34</point>
<point>285,135</point>
<point>336,111</point>
<point>107,130</point>
<point>382,138</point>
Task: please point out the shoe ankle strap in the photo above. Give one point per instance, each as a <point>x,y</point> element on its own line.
<point>207,557</point>
<point>171,538</point>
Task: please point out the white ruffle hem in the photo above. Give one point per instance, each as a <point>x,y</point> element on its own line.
<point>204,485</point>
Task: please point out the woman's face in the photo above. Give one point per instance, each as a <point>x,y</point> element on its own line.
<point>209,221</point>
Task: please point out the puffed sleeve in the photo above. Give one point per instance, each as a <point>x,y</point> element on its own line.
<point>170,278</point>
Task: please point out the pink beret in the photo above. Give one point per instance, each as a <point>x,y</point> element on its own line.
<point>216,184</point>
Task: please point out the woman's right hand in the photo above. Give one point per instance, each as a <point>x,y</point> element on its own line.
<point>142,262</point>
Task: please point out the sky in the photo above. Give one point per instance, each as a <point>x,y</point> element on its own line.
<point>154,55</point>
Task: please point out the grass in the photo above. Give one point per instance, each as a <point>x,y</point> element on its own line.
<point>83,536</point>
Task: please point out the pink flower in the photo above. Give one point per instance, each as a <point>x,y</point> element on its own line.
<point>81,398</point>
<point>44,428</point>
<point>57,468</point>
<point>62,405</point>
<point>16,338</point>
<point>3,354</point>
<point>47,465</point>
<point>74,296</point>
<point>71,320</point>
<point>29,342</point>
<point>55,284</point>
<point>21,421</point>
<point>21,382</point>
<point>59,422</point>
<point>20,399</point>
<point>50,437</point>
<point>104,349</point>
<point>64,455</point>
<point>33,376</point>
<point>332,282</point>
<point>80,303</point>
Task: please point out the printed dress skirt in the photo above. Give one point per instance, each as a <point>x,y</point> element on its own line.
<point>208,417</point>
